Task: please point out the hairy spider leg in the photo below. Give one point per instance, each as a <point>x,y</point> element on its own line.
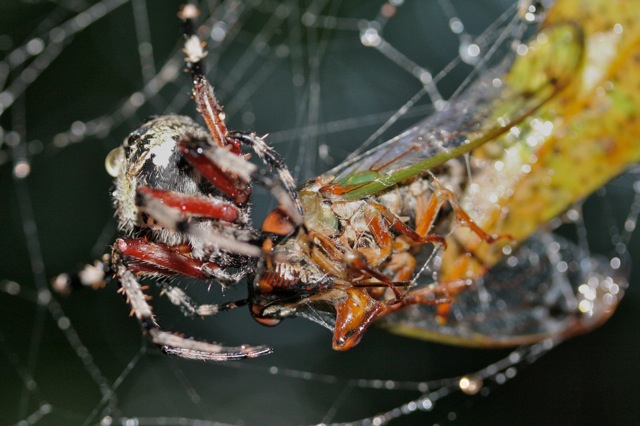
<point>171,343</point>
<point>178,297</point>
<point>271,157</point>
<point>206,102</point>
<point>193,205</point>
<point>145,257</point>
<point>93,275</point>
<point>232,173</point>
<point>229,173</point>
<point>211,111</point>
<point>180,220</point>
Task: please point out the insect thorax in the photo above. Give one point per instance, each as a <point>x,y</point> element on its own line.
<point>336,228</point>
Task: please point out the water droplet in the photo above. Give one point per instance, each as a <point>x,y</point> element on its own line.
<point>470,385</point>
<point>219,31</point>
<point>456,25</point>
<point>35,46</point>
<point>22,169</point>
<point>370,37</point>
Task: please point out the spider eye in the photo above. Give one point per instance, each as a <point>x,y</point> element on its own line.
<point>114,161</point>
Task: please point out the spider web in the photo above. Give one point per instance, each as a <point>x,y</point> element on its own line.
<point>77,76</point>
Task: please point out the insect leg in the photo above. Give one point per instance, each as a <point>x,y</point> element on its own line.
<point>442,195</point>
<point>396,223</point>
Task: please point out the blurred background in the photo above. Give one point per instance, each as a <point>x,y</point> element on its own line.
<point>77,76</point>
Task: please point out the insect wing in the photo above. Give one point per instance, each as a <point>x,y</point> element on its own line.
<point>523,299</point>
<point>485,110</point>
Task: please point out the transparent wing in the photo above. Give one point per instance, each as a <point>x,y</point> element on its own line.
<point>492,105</point>
<point>548,288</point>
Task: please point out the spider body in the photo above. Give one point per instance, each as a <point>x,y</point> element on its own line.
<point>181,197</point>
<point>151,166</point>
<point>180,218</point>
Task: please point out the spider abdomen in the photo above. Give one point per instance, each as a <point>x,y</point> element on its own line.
<point>150,158</point>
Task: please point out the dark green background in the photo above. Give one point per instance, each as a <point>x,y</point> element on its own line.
<point>589,380</point>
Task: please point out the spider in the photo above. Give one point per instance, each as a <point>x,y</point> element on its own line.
<point>182,199</point>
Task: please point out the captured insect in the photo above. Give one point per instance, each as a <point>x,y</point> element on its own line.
<point>437,232</point>
<point>479,180</point>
